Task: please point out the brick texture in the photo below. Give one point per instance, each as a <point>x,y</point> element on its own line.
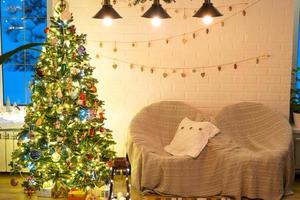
<point>266,29</point>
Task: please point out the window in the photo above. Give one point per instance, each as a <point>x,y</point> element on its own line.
<point>22,22</point>
<point>297,62</point>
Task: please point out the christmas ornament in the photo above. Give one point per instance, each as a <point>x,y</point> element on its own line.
<point>24,137</point>
<point>63,69</point>
<point>66,15</point>
<point>92,132</point>
<point>110,163</point>
<point>83,114</point>
<point>102,130</point>
<point>80,102</point>
<point>31,166</point>
<point>74,71</point>
<point>94,89</point>
<point>46,30</point>
<point>90,156</point>
<point>76,140</point>
<point>39,72</point>
<point>31,135</point>
<point>14,182</point>
<point>115,66</point>
<point>57,124</point>
<point>67,43</point>
<point>73,29</point>
<point>70,165</point>
<point>101,115</point>
<point>81,98</point>
<point>81,50</point>
<point>75,93</point>
<point>55,157</point>
<point>59,93</point>
<point>35,154</point>
<point>25,157</point>
<point>30,180</point>
<point>60,139</point>
<point>39,121</point>
<point>83,136</point>
<point>43,143</point>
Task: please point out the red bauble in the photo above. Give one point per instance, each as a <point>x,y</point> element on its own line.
<point>82,96</point>
<point>83,136</point>
<point>91,132</point>
<point>14,182</point>
<point>102,130</point>
<point>46,30</point>
<point>101,115</point>
<point>90,156</point>
<point>110,163</point>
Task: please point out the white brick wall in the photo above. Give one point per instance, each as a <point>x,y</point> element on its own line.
<point>267,28</point>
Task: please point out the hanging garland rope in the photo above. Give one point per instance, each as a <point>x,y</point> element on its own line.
<point>183,35</point>
<point>167,70</point>
<point>230,7</point>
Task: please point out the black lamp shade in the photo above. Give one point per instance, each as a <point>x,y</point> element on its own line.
<point>207,9</point>
<point>156,10</point>
<point>107,11</point>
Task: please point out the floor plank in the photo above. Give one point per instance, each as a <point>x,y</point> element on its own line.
<point>7,192</point>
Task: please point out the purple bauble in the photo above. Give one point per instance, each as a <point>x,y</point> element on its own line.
<point>81,50</point>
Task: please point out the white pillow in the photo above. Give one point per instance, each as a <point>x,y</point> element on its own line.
<point>191,138</point>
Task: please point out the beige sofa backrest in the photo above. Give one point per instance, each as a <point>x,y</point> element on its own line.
<point>159,121</point>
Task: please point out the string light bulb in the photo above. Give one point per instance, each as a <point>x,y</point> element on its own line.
<point>207,12</point>
<point>156,21</point>
<point>207,20</point>
<point>107,13</point>
<point>107,21</point>
<point>156,13</point>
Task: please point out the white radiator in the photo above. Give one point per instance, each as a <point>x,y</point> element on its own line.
<point>8,143</point>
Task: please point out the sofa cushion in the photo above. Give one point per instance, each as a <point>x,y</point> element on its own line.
<point>191,138</point>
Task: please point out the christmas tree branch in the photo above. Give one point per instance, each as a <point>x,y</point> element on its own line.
<point>6,56</point>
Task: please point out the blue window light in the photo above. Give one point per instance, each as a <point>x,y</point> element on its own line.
<point>298,59</point>
<point>22,22</point>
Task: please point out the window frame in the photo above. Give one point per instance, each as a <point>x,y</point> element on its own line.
<point>296,47</point>
<point>50,5</point>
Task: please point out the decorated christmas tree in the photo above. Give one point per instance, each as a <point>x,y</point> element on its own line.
<point>63,141</point>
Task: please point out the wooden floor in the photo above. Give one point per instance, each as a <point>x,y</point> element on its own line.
<point>7,192</point>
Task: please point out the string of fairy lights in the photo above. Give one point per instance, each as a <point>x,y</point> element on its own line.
<point>166,71</point>
<point>183,71</point>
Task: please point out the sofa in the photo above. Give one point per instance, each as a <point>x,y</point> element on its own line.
<point>251,157</point>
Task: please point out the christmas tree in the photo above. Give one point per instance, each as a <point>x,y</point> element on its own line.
<point>64,141</point>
